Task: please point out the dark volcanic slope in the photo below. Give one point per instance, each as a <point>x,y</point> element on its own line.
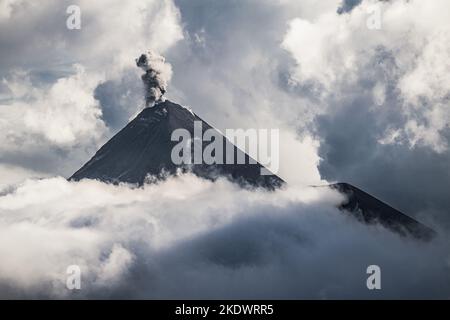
<point>144,148</point>
<point>371,210</point>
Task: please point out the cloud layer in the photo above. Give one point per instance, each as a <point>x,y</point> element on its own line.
<point>191,238</point>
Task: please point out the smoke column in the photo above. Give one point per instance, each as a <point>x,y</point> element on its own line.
<point>157,75</point>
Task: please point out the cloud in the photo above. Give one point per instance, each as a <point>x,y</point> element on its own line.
<point>325,61</point>
<point>67,113</point>
<point>380,116</point>
<point>64,92</point>
<point>7,7</point>
<point>111,33</point>
<point>137,242</point>
<point>221,79</point>
<point>335,51</point>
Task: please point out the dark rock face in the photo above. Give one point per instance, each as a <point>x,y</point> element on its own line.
<point>144,148</point>
<point>370,210</point>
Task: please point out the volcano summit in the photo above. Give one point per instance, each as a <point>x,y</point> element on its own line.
<point>142,151</point>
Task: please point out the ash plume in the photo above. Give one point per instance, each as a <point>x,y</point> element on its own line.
<point>157,75</point>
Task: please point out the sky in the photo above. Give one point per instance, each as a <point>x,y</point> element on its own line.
<point>358,89</point>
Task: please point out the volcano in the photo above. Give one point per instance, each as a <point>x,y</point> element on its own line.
<point>142,151</point>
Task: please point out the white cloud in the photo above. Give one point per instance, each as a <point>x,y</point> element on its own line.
<point>66,113</point>
<point>156,240</point>
<point>336,51</point>
<point>320,49</point>
<point>6,8</point>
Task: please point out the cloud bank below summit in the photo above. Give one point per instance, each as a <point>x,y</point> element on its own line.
<point>225,242</point>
